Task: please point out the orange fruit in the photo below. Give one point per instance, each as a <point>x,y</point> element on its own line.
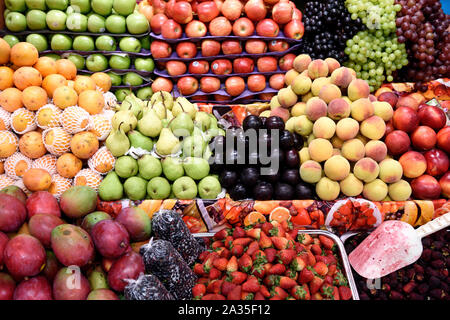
<point>84,144</point>
<point>34,98</point>
<point>280,214</point>
<point>66,68</point>
<point>31,145</point>
<point>265,207</point>
<point>5,51</point>
<point>64,97</point>
<point>53,81</point>
<point>102,80</point>
<point>46,66</point>
<point>25,77</point>
<point>24,54</point>
<point>11,99</point>
<point>68,165</point>
<point>92,101</point>
<point>83,83</point>
<point>6,77</point>
<point>254,217</point>
<point>37,179</point>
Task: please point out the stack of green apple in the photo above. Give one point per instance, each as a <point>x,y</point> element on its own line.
<point>172,139</point>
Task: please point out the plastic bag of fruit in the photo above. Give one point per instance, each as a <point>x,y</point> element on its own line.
<point>146,287</point>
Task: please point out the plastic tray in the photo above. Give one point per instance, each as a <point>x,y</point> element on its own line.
<point>164,74</point>
<point>72,33</point>
<point>144,74</point>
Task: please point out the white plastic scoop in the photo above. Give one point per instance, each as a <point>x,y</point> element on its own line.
<point>392,246</point>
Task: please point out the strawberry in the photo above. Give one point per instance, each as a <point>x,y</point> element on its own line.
<point>316,241</point>
<point>287,283</point>
<point>267,267</point>
<point>281,232</point>
<point>331,259</point>
<point>332,269</point>
<point>287,225</point>
<point>340,280</point>
<point>266,227</point>
<point>198,290</point>
<point>254,233</point>
<point>258,255</point>
<point>330,292</point>
<point>306,276</point>
<point>198,269</point>
<point>228,242</point>
<point>328,279</point>
<point>237,250</point>
<point>281,243</point>
<point>298,264</point>
<point>326,242</point>
<point>224,253</point>
<point>288,236</point>
<point>216,244</point>
<point>263,290</point>
<point>301,292</point>
<point>270,254</point>
<point>258,271</point>
<point>252,248</point>
<point>272,280</point>
<point>214,274</point>
<point>238,232</point>
<point>304,239</point>
<point>220,264</point>
<point>311,258</point>
<point>208,264</point>
<point>279,293</point>
<point>242,241</point>
<point>293,233</point>
<point>232,264</point>
<point>220,235</point>
<point>345,293</point>
<point>264,241</point>
<point>300,247</point>
<point>316,249</point>
<point>315,284</point>
<point>214,286</point>
<point>213,296</point>
<point>204,281</point>
<point>227,287</point>
<point>321,268</point>
<point>203,255</point>
<point>247,295</point>
<point>316,296</point>
<point>286,256</point>
<point>251,285</point>
<point>277,269</point>
<point>291,274</point>
<point>245,263</point>
<point>235,293</point>
<point>259,296</point>
<point>237,277</point>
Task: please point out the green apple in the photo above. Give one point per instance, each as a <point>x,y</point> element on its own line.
<point>137,23</point>
<point>116,24</point>
<point>83,43</point>
<point>96,62</point>
<point>61,42</point>
<point>56,20</point>
<point>209,187</point>
<point>16,5</point>
<point>57,4</point>
<point>124,7</point>
<point>144,93</point>
<point>121,94</point>
<point>184,188</point>
<point>16,22</point>
<point>36,4</point>
<point>77,60</point>
<point>158,188</point>
<point>36,20</point>
<point>6,12</point>
<point>76,22</point>
<point>130,44</point>
<point>37,40</point>
<point>105,43</point>
<point>142,64</point>
<point>54,56</point>
<point>96,23</point>
<point>119,62</point>
<point>145,43</point>
<point>102,7</point>
<point>132,79</point>
<point>84,6</point>
<point>116,80</point>
<point>11,39</point>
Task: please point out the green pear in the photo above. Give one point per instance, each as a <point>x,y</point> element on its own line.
<point>159,109</point>
<point>184,188</point>
<point>164,97</point>
<point>150,125</point>
<point>158,188</point>
<point>138,140</point>
<point>133,104</point>
<point>149,167</point>
<point>135,188</point>
<point>194,146</point>
<point>172,168</point>
<point>117,142</point>
<point>213,120</point>
<point>167,143</point>
<point>110,188</point>
<point>209,187</point>
<point>183,105</point>
<point>169,115</point>
<point>202,120</point>
<point>182,125</point>
<point>196,168</point>
<point>126,167</point>
<point>126,118</point>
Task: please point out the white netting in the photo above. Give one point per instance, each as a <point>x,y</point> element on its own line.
<point>101,126</point>
<point>5,119</point>
<point>5,181</point>
<point>59,185</point>
<point>56,140</point>
<point>87,177</point>
<point>48,116</point>
<point>19,183</point>
<point>22,121</point>
<point>47,162</point>
<point>110,100</point>
<point>75,119</point>
<point>16,165</point>
<point>8,143</point>
<point>102,161</point>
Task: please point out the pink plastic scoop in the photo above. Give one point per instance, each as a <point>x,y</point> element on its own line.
<point>392,246</point>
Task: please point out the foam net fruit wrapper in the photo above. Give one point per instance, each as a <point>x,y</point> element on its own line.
<point>47,162</point>
<point>19,183</point>
<point>25,116</point>
<point>87,177</point>
<point>5,119</point>
<point>17,165</point>
<point>48,116</point>
<point>75,119</point>
<point>101,126</point>
<point>146,287</point>
<point>60,140</point>
<point>59,185</point>
<point>5,181</point>
<point>102,161</point>
<point>8,143</point>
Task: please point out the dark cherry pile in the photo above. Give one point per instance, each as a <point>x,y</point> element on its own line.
<point>426,279</point>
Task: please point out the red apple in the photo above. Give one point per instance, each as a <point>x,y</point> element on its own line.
<point>243,65</point>
<point>276,81</point>
<point>294,29</point>
<point>171,29</point>
<point>297,15</point>
<point>162,84</point>
<point>266,96</point>
<point>287,62</point>
<point>175,68</point>
<point>198,67</point>
<point>423,138</point>
<point>256,82</point>
<point>437,162</point>
<point>187,85</point>
<point>209,84</point>
<point>157,21</point>
<point>169,8</point>
<point>231,47</point>
<point>210,48</point>
<point>278,45</point>
<point>425,188</point>
<point>255,46</point>
<point>432,116</point>
<point>219,4</point>
<point>160,49</point>
<point>182,12</point>
<point>282,12</point>
<point>186,50</point>
<point>220,27</point>
<point>397,142</point>
<point>444,182</point>
<point>234,86</point>
<point>207,11</point>
<point>389,97</point>
<point>413,164</point>
<point>267,64</point>
<point>195,29</point>
<point>255,10</point>
<point>159,6</point>
<point>443,139</point>
<point>405,119</point>
<point>243,27</point>
<point>221,66</point>
<point>267,28</point>
<point>232,9</point>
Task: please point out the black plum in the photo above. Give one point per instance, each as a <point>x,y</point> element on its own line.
<point>263,191</point>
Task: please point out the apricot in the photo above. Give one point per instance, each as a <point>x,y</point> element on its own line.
<point>337,168</point>
<point>327,189</point>
<point>390,170</point>
<point>320,149</point>
<point>347,129</point>
<point>353,150</point>
<point>310,171</point>
<point>324,127</point>
<point>351,186</point>
<point>366,169</point>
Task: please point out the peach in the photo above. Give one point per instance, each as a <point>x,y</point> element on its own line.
<point>338,109</point>
<point>327,189</point>
<point>400,190</point>
<point>303,126</point>
<point>413,163</point>
<point>286,97</point>
<point>317,85</point>
<point>376,190</point>
<point>337,168</point>
<point>310,138</point>
<point>274,103</point>
<point>353,150</point>
<point>336,152</point>
<point>390,170</point>
<point>317,68</point>
<point>337,142</point>
<point>324,127</point>
<point>320,149</point>
<point>289,125</point>
<point>315,108</point>
<point>301,62</point>
<point>383,110</point>
<point>366,169</point>
<point>408,101</point>
<point>361,138</point>
<point>361,109</point>
<point>298,109</point>
<point>341,77</point>
<point>301,84</point>
<point>352,72</point>
<point>304,155</point>
<point>351,186</point>
<point>358,89</point>
<point>373,128</point>
<point>347,99</point>
<point>376,150</point>
<point>281,112</point>
<point>307,96</point>
<point>310,171</point>
<point>333,64</point>
<point>290,76</point>
<point>372,98</point>
<point>329,92</point>
<point>347,129</point>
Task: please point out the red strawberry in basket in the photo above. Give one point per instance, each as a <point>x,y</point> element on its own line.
<point>287,255</point>
<point>251,285</point>
<point>238,232</point>
<point>198,290</point>
<point>301,292</point>
<point>245,263</point>
<point>254,233</point>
